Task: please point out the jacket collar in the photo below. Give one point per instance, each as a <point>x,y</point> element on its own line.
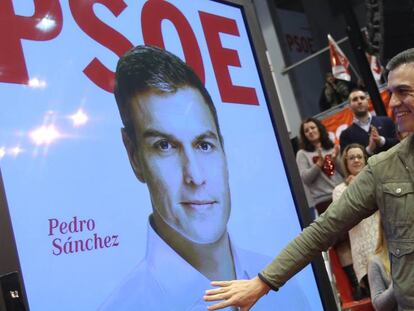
<point>406,154</point>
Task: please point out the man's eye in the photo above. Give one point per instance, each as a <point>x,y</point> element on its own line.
<point>402,92</point>
<point>205,146</point>
<point>163,145</point>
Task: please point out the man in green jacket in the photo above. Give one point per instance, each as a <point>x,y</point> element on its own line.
<point>387,184</point>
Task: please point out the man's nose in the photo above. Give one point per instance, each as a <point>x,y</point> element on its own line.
<point>394,101</point>
<point>192,171</point>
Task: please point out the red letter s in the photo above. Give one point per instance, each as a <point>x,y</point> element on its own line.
<point>82,11</point>
<point>13,28</point>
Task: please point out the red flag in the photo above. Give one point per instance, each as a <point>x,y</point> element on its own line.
<point>376,68</point>
<point>339,61</point>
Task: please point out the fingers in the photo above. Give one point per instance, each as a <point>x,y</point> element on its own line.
<point>215,291</point>
<point>217,294</point>
<point>217,297</point>
<point>221,283</point>
<point>219,305</point>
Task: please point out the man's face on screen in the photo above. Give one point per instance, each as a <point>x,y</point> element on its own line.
<point>180,157</point>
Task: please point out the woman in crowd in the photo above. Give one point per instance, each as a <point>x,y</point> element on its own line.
<point>363,236</point>
<point>318,163</point>
<point>379,276</point>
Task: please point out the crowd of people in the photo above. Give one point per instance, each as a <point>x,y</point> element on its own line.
<point>327,169</point>
<point>350,185</point>
<point>326,173</point>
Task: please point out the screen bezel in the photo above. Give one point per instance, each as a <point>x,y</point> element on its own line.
<point>9,258</point>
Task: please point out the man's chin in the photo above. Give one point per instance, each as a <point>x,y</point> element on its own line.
<point>360,114</point>
<point>406,128</point>
<point>204,238</point>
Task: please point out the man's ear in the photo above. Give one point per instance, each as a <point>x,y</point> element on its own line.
<point>132,155</point>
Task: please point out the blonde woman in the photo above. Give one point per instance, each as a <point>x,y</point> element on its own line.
<point>363,236</point>
<point>379,276</point>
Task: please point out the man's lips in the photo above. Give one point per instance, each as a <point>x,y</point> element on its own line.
<point>400,114</point>
<point>198,204</point>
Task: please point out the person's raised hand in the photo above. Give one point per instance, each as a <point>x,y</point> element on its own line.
<point>375,135</point>
<point>372,143</point>
<point>238,293</point>
<point>335,153</point>
<point>321,159</point>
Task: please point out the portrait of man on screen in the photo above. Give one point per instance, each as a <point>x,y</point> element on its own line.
<point>175,147</point>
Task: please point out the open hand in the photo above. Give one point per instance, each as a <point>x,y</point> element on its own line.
<point>375,135</point>
<point>373,138</point>
<point>238,293</point>
<point>335,152</point>
<point>321,159</point>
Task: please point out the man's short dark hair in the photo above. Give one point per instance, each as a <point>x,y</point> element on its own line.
<point>357,89</point>
<point>404,57</point>
<point>147,68</point>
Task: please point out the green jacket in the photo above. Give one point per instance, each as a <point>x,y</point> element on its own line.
<point>387,184</point>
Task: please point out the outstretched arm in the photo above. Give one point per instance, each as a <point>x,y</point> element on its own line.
<point>356,203</point>
<point>239,293</point>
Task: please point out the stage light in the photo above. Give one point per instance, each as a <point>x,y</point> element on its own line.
<point>37,83</point>
<point>45,135</point>
<point>79,118</point>
<point>46,23</point>
<point>2,152</point>
<point>15,151</point>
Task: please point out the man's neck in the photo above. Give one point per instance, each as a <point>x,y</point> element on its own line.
<point>213,260</point>
<point>362,119</point>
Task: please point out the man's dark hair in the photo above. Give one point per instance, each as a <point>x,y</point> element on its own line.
<point>147,68</point>
<point>357,89</point>
<point>324,137</point>
<point>404,57</point>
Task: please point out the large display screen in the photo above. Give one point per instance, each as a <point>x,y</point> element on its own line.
<point>193,189</point>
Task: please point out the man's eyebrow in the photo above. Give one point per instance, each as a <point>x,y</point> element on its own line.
<point>151,133</point>
<point>208,134</point>
<point>399,87</point>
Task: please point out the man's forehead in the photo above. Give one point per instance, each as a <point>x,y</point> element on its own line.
<point>356,94</point>
<point>401,77</point>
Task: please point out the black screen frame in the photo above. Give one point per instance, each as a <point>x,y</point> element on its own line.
<point>9,257</point>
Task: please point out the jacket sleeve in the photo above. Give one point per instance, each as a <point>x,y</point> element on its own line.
<point>308,172</point>
<point>355,204</point>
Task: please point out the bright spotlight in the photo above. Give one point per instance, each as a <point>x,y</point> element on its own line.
<point>37,83</point>
<point>79,118</point>
<point>46,23</point>
<point>45,135</point>
<point>2,152</point>
<point>15,151</point>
